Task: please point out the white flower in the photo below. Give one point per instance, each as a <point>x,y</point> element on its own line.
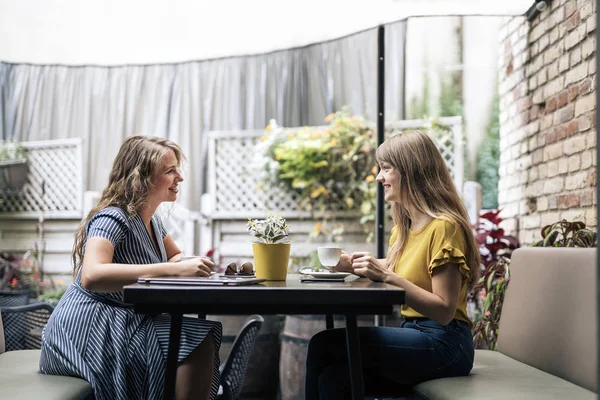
<point>274,229</point>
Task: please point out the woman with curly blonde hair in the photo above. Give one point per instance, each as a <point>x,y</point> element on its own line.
<point>92,333</point>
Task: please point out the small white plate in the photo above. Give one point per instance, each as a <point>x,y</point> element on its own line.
<point>323,274</point>
<point>329,275</point>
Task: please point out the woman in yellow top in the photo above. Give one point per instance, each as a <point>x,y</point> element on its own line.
<point>434,257</point>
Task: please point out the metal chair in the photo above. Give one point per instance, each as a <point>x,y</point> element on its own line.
<point>23,325</point>
<point>234,368</point>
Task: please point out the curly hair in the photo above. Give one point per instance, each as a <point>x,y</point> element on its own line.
<point>129,182</point>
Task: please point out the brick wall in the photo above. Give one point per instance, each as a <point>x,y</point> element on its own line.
<point>547,87</point>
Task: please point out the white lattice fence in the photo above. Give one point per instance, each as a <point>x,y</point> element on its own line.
<point>55,181</point>
<point>234,185</point>
<point>450,144</point>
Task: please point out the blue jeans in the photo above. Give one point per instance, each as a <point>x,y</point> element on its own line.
<point>392,358</point>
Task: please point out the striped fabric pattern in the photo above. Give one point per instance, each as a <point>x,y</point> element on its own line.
<point>97,337</point>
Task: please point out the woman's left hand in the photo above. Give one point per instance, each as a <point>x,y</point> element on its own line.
<point>368,266</point>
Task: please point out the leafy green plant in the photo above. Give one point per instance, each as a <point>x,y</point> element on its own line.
<point>450,101</point>
<point>53,295</point>
<point>334,164</point>
<point>567,234</point>
<point>493,283</point>
<point>496,275</point>
<point>488,160</point>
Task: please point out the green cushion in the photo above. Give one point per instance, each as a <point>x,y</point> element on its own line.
<point>498,377</point>
<point>20,379</point>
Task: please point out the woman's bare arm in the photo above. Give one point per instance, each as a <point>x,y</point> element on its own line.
<point>440,304</point>
<point>100,274</point>
<point>173,251</point>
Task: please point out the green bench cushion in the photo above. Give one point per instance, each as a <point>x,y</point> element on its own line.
<point>498,377</point>
<point>20,379</point>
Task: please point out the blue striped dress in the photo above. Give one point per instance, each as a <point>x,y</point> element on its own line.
<point>98,337</point>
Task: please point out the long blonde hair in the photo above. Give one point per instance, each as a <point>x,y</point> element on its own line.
<point>129,182</point>
<point>425,184</point>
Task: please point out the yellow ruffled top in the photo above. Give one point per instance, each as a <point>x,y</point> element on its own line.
<point>437,243</point>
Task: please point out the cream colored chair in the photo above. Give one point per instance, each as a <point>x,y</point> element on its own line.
<point>547,340</point>
<point>20,378</point>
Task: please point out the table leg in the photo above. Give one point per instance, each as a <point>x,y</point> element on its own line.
<point>379,320</point>
<point>329,321</point>
<point>354,361</point>
<point>172,355</point>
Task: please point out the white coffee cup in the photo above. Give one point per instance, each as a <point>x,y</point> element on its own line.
<point>329,256</point>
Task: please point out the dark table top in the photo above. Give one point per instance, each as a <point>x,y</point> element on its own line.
<point>354,295</point>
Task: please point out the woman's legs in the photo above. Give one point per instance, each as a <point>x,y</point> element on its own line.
<point>390,356</point>
<point>195,373</point>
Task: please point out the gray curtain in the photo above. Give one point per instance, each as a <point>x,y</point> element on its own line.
<point>183,101</point>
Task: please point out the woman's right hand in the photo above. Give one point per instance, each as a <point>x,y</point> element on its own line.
<point>345,263</point>
<point>193,267</point>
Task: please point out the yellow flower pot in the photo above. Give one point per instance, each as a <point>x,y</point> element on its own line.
<point>271,260</point>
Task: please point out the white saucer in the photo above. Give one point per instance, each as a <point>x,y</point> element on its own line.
<point>323,274</point>
<point>329,275</point>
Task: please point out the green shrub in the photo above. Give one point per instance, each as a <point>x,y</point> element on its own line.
<point>488,160</point>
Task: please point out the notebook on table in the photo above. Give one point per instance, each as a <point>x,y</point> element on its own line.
<point>200,281</point>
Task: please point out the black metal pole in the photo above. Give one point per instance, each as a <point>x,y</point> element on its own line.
<point>380,206</point>
<point>597,190</point>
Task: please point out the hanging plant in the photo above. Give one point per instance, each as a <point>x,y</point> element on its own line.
<point>13,166</point>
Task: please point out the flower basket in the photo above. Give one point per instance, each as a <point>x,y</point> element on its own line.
<point>12,298</point>
<point>13,174</point>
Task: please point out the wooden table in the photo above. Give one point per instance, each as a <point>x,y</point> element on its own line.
<point>349,298</point>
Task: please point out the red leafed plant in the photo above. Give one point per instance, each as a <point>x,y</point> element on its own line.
<point>495,249</point>
<point>493,243</point>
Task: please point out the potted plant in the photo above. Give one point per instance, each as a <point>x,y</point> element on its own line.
<point>15,284</point>
<point>13,166</point>
<point>271,247</point>
<point>495,248</point>
<point>53,294</point>
<point>495,278</point>
<point>567,234</point>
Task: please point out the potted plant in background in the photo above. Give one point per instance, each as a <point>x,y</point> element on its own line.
<point>567,234</point>
<point>496,276</point>
<point>495,248</point>
<point>271,248</point>
<point>21,280</point>
<point>53,293</point>
<point>13,166</point>
<point>15,281</point>
<point>330,168</point>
